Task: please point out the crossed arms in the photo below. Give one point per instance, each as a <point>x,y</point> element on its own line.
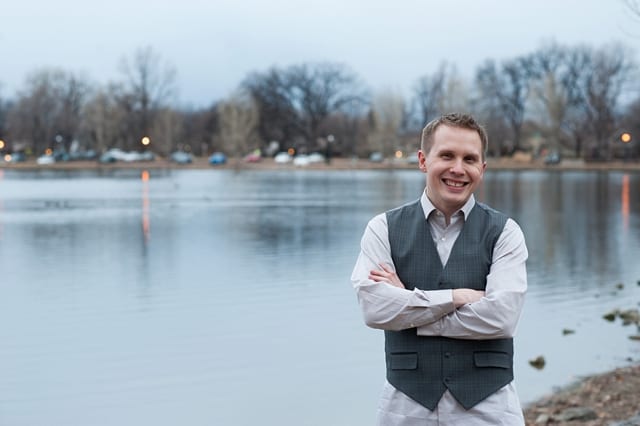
<point>458,313</point>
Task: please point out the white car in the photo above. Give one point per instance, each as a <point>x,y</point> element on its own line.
<point>45,159</point>
<point>282,158</point>
<point>301,160</point>
<point>316,157</point>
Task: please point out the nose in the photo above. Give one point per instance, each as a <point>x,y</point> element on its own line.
<point>456,167</point>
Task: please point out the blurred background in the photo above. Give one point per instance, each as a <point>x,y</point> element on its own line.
<point>137,289</point>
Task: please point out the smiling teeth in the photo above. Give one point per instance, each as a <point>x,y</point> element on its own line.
<point>451,183</point>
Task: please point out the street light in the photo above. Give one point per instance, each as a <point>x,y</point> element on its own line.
<point>145,141</point>
<point>330,140</point>
<point>625,137</point>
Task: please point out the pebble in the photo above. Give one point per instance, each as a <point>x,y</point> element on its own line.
<point>576,413</point>
<point>633,421</point>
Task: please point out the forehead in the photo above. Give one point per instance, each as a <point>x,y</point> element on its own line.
<point>456,139</point>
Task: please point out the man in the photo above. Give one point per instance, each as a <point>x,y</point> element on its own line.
<point>445,277</point>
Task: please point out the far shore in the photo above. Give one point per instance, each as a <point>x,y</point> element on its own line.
<point>503,163</point>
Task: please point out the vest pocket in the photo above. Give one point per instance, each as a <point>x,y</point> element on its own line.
<point>492,359</point>
<point>403,361</point>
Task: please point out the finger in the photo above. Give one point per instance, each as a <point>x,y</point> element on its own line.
<point>377,278</point>
<point>384,267</point>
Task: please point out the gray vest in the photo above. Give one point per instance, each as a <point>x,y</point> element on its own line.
<point>424,367</point>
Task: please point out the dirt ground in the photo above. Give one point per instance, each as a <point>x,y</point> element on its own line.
<point>598,400</point>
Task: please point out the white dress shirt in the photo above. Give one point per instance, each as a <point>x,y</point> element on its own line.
<point>433,313</point>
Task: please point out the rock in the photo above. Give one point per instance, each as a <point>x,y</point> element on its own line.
<point>542,419</point>
<point>631,316</point>
<point>566,331</point>
<point>633,421</point>
<point>538,362</point>
<point>635,337</point>
<point>576,413</point>
<point>611,315</point>
<point>619,286</point>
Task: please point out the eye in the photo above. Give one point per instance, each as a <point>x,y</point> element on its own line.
<point>446,155</point>
<point>471,160</point>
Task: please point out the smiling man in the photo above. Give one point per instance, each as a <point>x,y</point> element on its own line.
<point>445,278</point>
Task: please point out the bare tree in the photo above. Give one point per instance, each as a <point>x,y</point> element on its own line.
<point>104,121</point>
<point>502,94</point>
<point>387,111</point>
<point>295,102</point>
<point>612,70</point>
<point>633,6</point>
<point>237,130</point>
<point>319,90</point>
<point>199,126</point>
<point>166,132</point>
<point>47,112</point>
<point>148,87</point>
<point>429,92</point>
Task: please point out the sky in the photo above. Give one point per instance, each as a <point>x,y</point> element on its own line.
<point>215,44</point>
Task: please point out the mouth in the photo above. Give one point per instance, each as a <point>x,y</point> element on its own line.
<point>454,183</point>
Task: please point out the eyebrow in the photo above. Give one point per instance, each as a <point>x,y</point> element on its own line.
<point>453,152</point>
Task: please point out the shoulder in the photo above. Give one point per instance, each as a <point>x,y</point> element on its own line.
<point>490,211</point>
<point>403,209</point>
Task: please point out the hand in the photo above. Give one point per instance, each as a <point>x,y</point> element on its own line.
<point>462,296</point>
<point>386,275</point>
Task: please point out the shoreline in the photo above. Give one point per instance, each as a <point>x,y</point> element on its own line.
<point>610,398</point>
<point>201,163</point>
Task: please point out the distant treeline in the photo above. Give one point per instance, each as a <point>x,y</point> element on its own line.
<point>575,100</point>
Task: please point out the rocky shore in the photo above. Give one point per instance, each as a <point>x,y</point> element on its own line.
<point>610,399</point>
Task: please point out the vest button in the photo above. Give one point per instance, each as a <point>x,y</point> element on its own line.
<point>447,380</point>
<point>447,354</point>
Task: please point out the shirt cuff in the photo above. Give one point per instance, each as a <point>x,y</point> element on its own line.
<point>439,302</point>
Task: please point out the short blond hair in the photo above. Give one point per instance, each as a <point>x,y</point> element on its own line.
<point>459,120</point>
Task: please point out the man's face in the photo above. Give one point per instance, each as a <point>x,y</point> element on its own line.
<point>454,166</point>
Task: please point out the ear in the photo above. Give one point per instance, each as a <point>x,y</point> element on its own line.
<point>422,161</point>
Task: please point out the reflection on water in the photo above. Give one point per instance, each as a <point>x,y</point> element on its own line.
<point>625,201</point>
<point>146,230</point>
<point>241,297</point>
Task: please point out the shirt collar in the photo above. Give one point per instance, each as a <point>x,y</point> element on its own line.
<point>428,207</point>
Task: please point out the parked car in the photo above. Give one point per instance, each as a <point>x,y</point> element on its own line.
<point>376,157</point>
<point>112,155</point>
<point>45,159</point>
<point>301,160</point>
<point>282,158</point>
<point>552,158</point>
<point>252,157</point>
<point>413,158</point>
<point>316,157</point>
<point>15,157</point>
<point>181,157</point>
<point>83,155</point>
<point>217,158</point>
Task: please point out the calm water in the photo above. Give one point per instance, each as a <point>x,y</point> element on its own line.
<point>221,298</point>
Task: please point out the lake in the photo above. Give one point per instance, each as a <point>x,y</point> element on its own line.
<point>214,297</point>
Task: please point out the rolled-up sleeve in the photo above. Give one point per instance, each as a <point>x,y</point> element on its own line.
<point>383,305</point>
<point>496,315</point>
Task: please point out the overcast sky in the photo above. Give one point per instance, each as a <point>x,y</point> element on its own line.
<point>214,44</point>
